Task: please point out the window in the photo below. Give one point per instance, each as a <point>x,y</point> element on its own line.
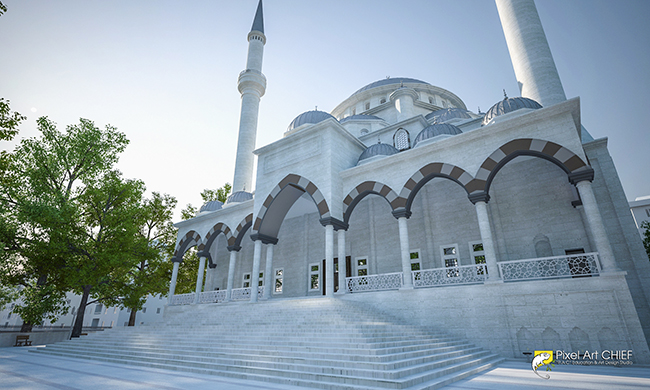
<point>382,101</point>
<point>279,277</point>
<point>98,308</point>
<point>247,280</point>
<point>647,212</point>
<point>401,140</point>
<point>364,131</point>
<point>450,258</point>
<point>477,253</point>
<point>362,266</point>
<point>430,100</point>
<point>367,106</point>
<point>353,112</point>
<point>144,310</point>
<point>415,261</point>
<point>314,276</point>
<point>95,322</point>
<point>9,315</point>
<point>159,296</point>
<point>158,311</point>
<point>260,281</point>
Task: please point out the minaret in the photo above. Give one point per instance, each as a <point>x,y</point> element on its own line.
<point>529,52</point>
<point>251,85</point>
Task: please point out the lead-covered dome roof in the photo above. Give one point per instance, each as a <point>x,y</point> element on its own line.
<point>313,116</point>
<point>446,114</point>
<point>396,80</point>
<point>212,205</point>
<point>239,196</point>
<point>378,150</point>
<point>360,117</point>
<point>435,130</point>
<point>509,105</point>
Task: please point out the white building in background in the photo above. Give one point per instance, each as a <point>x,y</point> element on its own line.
<point>97,315</point>
<point>640,209</point>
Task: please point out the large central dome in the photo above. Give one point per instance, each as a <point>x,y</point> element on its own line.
<point>397,80</point>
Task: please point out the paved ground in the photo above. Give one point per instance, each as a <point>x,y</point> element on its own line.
<point>20,370</point>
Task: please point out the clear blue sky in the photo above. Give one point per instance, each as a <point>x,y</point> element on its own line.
<point>165,72</point>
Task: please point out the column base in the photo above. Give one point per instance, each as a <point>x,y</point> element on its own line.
<point>407,288</point>
<point>614,272</point>
<point>493,281</point>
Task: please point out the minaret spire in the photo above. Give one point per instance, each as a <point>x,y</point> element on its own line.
<point>251,85</point>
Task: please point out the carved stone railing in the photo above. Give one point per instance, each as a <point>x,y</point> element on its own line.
<point>567,266</point>
<point>212,296</point>
<point>242,294</point>
<point>374,282</point>
<point>183,299</point>
<point>464,274</point>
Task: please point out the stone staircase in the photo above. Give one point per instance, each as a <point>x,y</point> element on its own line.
<point>316,343</point>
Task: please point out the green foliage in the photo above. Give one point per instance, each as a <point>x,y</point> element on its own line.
<point>646,237</point>
<point>9,121</point>
<point>220,194</point>
<point>3,8</point>
<point>40,302</point>
<point>8,294</point>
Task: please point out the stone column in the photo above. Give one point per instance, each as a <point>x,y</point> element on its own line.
<point>199,278</point>
<point>231,273</point>
<point>255,275</point>
<point>596,225</point>
<point>172,284</point>
<point>329,260</point>
<point>480,202</point>
<point>268,273</point>
<point>404,247</point>
<point>343,288</point>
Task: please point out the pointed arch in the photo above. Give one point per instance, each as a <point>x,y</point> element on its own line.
<point>190,239</point>
<point>280,201</point>
<point>234,241</point>
<point>568,161</point>
<point>364,189</point>
<point>431,171</point>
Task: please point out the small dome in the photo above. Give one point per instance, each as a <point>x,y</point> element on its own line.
<point>212,205</point>
<point>509,105</point>
<point>239,196</point>
<point>360,117</point>
<point>378,150</point>
<point>446,114</point>
<point>434,130</point>
<point>314,116</point>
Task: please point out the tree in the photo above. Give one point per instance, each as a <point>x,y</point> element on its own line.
<point>104,242</point>
<point>44,183</point>
<point>646,237</point>
<point>186,279</point>
<point>153,270</point>
<point>3,8</point>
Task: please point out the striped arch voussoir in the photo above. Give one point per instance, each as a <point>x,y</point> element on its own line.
<point>241,229</point>
<point>558,154</point>
<point>429,171</point>
<point>298,181</point>
<point>190,239</point>
<point>369,187</point>
<point>215,231</point>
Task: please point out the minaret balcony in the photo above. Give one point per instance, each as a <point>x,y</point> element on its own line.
<point>251,78</point>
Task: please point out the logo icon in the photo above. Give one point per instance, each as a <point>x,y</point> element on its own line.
<point>542,358</point>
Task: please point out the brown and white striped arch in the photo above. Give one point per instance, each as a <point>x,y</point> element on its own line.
<point>234,241</point>
<point>190,239</point>
<point>366,188</point>
<point>568,161</point>
<point>213,233</point>
<point>282,198</point>
<point>428,172</point>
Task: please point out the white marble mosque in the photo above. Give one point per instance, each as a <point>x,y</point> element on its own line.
<point>509,228</point>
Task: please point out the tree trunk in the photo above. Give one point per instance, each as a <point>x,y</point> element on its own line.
<point>78,323</point>
<point>132,317</point>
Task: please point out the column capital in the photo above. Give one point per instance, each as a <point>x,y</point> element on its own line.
<point>178,259</point>
<point>337,223</point>
<point>233,248</point>
<point>264,238</point>
<point>204,253</point>
<point>584,174</point>
<point>401,213</point>
<point>476,197</point>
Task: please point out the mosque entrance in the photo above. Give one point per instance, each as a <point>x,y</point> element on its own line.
<point>348,272</point>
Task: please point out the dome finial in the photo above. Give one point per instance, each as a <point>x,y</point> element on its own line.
<point>316,109</point>
<point>505,95</point>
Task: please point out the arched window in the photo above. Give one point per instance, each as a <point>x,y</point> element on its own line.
<point>382,101</point>
<point>367,106</point>
<point>401,140</point>
<point>364,131</point>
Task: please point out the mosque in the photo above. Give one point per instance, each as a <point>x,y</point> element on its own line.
<point>509,228</point>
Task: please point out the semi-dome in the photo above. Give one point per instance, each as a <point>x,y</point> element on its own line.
<point>313,116</point>
<point>435,130</point>
<point>212,205</point>
<point>360,117</point>
<point>446,114</point>
<point>509,105</point>
<point>239,196</point>
<point>396,80</point>
<point>378,150</point>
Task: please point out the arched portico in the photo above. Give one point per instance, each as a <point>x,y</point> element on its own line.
<point>366,188</point>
